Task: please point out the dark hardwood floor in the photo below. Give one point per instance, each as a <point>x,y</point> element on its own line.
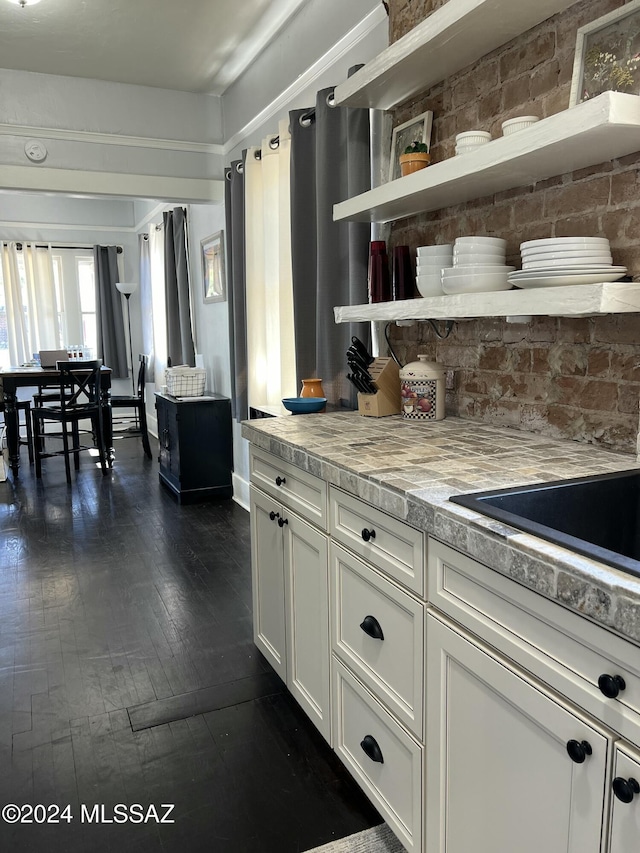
<point>114,600</point>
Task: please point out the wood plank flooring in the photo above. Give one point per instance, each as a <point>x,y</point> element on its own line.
<point>117,605</point>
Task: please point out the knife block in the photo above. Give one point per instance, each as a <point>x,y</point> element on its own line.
<point>385,375</point>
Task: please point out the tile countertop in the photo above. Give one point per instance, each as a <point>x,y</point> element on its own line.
<point>410,469</point>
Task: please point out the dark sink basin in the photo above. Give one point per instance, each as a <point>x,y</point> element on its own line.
<point>598,517</point>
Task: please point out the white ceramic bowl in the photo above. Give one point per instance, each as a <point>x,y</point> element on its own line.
<point>426,251</point>
<point>478,282</point>
<point>480,241</point>
<point>478,252</point>
<point>555,243</point>
<point>472,269</point>
<point>513,125</point>
<point>478,136</point>
<point>433,269</point>
<point>429,285</point>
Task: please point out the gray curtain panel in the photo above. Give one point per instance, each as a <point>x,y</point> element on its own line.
<point>180,348</point>
<point>234,214</point>
<point>146,304</point>
<point>330,162</point>
<point>109,315</point>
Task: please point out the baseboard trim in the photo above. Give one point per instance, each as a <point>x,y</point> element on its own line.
<point>240,491</point>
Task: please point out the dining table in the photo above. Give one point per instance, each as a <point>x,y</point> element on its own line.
<point>12,378</point>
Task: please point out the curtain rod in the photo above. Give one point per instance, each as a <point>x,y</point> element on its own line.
<point>73,248</point>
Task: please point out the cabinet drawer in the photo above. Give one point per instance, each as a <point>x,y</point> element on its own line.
<point>394,784</point>
<point>302,492</point>
<point>391,665</point>
<point>563,649</point>
<point>388,544</point>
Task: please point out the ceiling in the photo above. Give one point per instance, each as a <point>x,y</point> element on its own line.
<point>189,45</point>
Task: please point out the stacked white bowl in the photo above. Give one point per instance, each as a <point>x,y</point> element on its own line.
<point>470,140</point>
<point>479,266</point>
<point>430,262</point>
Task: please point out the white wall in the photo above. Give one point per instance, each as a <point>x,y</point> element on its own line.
<point>322,42</point>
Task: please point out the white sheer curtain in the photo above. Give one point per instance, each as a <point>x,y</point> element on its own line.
<point>30,298</point>
<point>269,289</point>
<point>159,314</point>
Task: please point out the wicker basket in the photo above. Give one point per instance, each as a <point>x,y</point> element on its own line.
<point>185,381</point>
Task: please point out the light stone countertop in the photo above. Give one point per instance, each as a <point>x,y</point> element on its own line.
<point>410,469</point>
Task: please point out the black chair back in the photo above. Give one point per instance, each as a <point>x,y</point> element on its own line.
<point>79,385</point>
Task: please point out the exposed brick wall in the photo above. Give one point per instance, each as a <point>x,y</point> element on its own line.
<point>578,379</point>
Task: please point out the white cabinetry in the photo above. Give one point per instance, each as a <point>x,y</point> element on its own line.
<point>508,703</point>
<point>499,775</point>
<point>625,817</point>
<point>289,558</point>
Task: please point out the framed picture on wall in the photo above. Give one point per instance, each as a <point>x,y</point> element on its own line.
<point>417,129</point>
<point>608,55</point>
<point>213,277</point>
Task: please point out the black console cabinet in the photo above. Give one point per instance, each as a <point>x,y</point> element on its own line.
<point>196,450</point>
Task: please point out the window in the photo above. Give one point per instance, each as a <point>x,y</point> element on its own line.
<point>74,278</point>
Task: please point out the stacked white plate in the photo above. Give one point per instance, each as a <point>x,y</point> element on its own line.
<point>478,266</point>
<point>559,261</point>
<point>430,262</point>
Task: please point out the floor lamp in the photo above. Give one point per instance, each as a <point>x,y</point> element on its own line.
<point>127,288</point>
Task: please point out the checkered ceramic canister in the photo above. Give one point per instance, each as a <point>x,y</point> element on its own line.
<point>422,389</point>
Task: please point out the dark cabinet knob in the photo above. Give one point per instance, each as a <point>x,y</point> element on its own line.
<point>283,521</point>
<point>578,750</point>
<point>273,515</point>
<point>611,685</point>
<point>368,534</point>
<point>371,749</point>
<point>625,789</point>
<point>280,481</point>
<point>371,626</point>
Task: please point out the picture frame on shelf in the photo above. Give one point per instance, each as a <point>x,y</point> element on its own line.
<point>607,56</point>
<point>417,129</point>
<point>213,271</point>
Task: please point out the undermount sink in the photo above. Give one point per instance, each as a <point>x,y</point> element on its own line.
<point>598,516</point>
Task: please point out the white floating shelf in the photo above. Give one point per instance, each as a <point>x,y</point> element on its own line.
<point>595,131</point>
<point>584,300</point>
<point>454,36</point>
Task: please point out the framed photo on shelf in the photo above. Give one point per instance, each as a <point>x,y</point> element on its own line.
<point>213,276</point>
<point>608,55</point>
<point>417,129</point>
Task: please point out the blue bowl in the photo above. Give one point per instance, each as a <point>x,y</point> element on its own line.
<point>304,405</point>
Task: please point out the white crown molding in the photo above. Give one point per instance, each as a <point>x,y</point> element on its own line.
<point>110,184</point>
<point>314,72</point>
<point>54,226</point>
<point>91,138</point>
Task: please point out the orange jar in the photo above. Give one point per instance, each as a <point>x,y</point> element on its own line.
<point>312,388</point>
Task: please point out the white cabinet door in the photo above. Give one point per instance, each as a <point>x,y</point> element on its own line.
<point>625,802</point>
<point>267,569</point>
<point>499,776</point>
<point>306,573</point>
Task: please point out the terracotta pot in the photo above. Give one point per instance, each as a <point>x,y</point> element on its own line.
<point>312,388</point>
<point>410,163</point>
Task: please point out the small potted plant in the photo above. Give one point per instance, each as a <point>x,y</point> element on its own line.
<point>416,156</point>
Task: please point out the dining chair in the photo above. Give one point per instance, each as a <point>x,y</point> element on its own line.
<point>133,421</point>
<point>79,400</point>
<point>23,406</point>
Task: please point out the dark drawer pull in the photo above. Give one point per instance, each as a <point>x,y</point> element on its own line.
<point>368,534</point>
<point>625,790</point>
<point>273,515</point>
<point>578,750</point>
<point>283,521</point>
<point>371,626</point>
<point>611,685</point>
<point>280,481</point>
<point>371,749</point>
